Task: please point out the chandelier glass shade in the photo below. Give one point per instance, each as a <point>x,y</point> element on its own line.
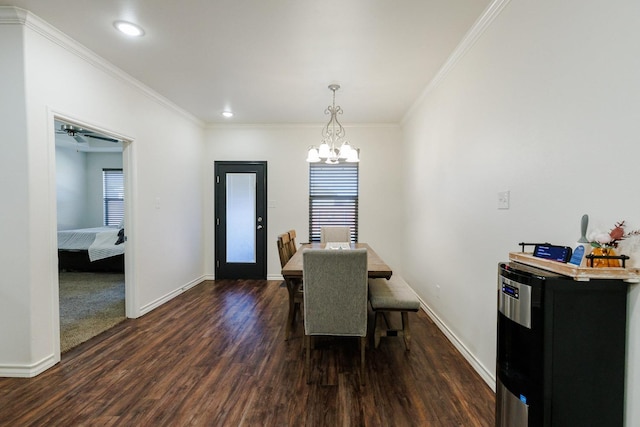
<point>334,148</point>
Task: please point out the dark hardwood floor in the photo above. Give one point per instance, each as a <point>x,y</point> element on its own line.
<point>216,355</point>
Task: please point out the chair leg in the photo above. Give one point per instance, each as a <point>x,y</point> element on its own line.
<point>307,340</point>
<point>299,313</point>
<point>363,345</point>
<point>289,323</point>
<point>292,309</point>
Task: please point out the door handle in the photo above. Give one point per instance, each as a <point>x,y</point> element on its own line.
<point>259,226</point>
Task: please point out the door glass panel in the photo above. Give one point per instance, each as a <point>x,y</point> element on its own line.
<point>241,217</point>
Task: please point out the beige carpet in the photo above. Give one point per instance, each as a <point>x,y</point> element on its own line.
<point>90,303</point>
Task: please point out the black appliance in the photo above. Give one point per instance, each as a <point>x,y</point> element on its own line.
<point>560,357</point>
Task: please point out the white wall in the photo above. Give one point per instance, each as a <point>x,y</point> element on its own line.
<point>164,251</point>
<point>14,223</point>
<point>79,191</point>
<point>284,148</point>
<point>96,162</point>
<point>71,188</point>
<point>545,105</point>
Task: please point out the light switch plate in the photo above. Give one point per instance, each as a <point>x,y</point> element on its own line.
<point>503,199</point>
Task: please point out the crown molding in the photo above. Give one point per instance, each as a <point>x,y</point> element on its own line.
<point>471,37</point>
<point>10,15</point>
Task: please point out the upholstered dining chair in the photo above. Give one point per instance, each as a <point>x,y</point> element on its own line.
<point>294,287</point>
<point>335,297</point>
<point>335,234</point>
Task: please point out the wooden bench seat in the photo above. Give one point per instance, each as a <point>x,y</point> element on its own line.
<point>387,295</point>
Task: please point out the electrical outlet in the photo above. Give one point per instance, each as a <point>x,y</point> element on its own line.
<point>503,199</point>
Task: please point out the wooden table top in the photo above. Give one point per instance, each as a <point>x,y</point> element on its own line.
<point>375,265</point>
<point>630,274</point>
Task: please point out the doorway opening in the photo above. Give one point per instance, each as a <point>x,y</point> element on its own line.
<point>90,207</point>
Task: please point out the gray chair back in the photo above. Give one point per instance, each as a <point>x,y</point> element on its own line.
<point>335,292</point>
<point>335,234</point>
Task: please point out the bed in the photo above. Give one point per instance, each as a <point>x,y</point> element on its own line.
<point>91,249</point>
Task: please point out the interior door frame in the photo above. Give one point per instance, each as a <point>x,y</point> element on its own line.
<point>128,169</point>
<point>257,270</point>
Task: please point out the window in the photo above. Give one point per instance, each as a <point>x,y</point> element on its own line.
<point>113,196</point>
<point>333,197</point>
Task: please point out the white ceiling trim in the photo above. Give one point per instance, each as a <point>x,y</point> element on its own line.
<point>12,15</point>
<point>475,32</point>
<point>15,15</point>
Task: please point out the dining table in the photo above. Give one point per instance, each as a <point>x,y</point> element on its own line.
<point>376,267</point>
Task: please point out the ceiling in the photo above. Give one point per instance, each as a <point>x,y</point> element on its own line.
<point>72,136</point>
<point>270,61</point>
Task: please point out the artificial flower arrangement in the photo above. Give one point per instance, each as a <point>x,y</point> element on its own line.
<point>604,243</point>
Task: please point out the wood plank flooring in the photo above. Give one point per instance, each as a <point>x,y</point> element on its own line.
<point>216,355</point>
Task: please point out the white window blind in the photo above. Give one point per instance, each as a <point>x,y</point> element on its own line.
<point>113,196</point>
<point>333,198</point>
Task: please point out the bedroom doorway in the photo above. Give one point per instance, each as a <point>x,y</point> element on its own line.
<point>90,207</point>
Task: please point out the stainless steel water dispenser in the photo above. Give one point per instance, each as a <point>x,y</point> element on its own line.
<point>560,349</point>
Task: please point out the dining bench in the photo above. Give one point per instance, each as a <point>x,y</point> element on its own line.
<point>392,295</point>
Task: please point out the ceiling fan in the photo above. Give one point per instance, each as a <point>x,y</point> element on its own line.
<point>80,134</point>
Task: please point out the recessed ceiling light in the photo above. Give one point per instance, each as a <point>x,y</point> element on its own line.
<point>227,114</point>
<point>128,28</point>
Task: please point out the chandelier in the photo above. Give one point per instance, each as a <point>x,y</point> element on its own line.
<point>334,148</point>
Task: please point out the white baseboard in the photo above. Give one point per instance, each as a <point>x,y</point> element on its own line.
<point>167,297</point>
<point>484,373</point>
<point>28,371</point>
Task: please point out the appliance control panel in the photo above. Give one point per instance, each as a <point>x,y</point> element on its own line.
<point>510,290</point>
<point>514,301</point>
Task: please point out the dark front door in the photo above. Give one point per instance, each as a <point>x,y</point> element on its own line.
<point>241,220</point>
